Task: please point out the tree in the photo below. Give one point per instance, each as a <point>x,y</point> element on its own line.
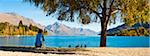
<point>21,28</point>
<point>30,26</point>
<point>33,28</point>
<point>20,23</point>
<point>131,11</point>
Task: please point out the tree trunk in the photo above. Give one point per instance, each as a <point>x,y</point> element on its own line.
<point>103,25</point>
<point>137,32</point>
<point>103,34</point>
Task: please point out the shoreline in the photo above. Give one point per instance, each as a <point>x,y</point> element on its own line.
<point>62,35</point>
<point>103,51</point>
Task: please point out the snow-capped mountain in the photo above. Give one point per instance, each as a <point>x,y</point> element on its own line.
<point>61,29</point>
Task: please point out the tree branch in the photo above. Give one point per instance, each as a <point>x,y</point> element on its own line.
<point>101,6</point>
<point>98,14</point>
<point>104,11</point>
<point>110,10</point>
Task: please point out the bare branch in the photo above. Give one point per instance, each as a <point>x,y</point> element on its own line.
<point>97,13</point>
<point>101,6</point>
<point>110,10</point>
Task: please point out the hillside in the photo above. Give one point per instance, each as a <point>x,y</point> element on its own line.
<point>135,30</point>
<point>61,29</point>
<point>13,24</point>
<point>14,19</point>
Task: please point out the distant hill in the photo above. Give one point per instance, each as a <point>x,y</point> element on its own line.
<point>14,24</point>
<point>14,19</point>
<point>61,29</point>
<point>135,30</point>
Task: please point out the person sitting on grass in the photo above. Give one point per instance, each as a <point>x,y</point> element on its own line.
<point>39,39</point>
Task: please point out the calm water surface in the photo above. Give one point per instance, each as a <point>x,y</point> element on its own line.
<point>89,41</point>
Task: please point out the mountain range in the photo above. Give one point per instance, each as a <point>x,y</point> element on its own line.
<point>61,29</point>
<point>54,29</point>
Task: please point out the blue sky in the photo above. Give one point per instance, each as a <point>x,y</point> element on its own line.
<point>36,14</point>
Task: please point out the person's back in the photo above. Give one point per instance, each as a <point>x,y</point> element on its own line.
<point>39,39</point>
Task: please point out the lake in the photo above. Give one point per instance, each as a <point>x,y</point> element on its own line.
<point>89,41</point>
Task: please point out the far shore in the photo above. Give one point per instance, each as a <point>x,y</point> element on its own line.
<point>55,35</point>
<point>14,35</point>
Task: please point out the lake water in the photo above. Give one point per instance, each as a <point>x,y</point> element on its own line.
<point>89,41</point>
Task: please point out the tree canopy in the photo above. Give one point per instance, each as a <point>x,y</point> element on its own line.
<point>131,10</point>
<point>134,11</point>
